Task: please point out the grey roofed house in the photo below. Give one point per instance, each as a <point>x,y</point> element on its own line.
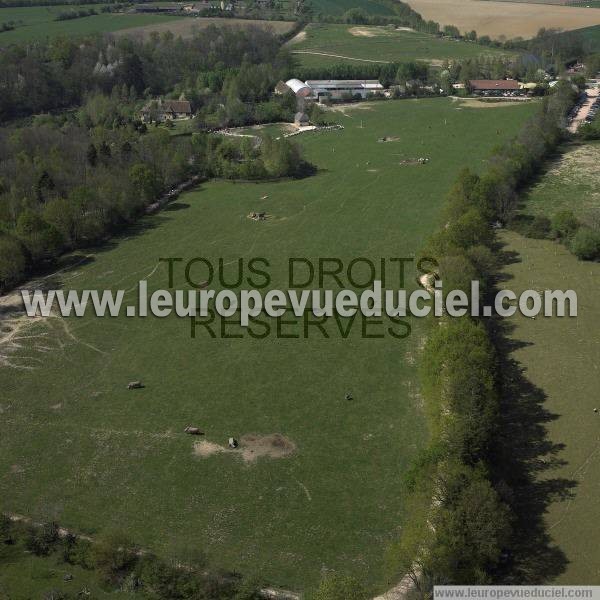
<point>166,110</point>
<point>338,88</point>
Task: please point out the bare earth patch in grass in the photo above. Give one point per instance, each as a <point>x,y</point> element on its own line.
<point>251,448</point>
<point>475,103</point>
<point>299,37</point>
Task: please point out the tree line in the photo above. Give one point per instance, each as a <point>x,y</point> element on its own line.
<point>461,526</point>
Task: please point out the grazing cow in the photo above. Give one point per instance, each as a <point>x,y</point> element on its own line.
<point>193,431</point>
<point>233,443</point>
<point>134,385</point>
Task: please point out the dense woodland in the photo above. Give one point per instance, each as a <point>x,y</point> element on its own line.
<point>72,178</point>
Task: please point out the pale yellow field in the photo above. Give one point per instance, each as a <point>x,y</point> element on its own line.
<point>186,26</point>
<point>509,19</point>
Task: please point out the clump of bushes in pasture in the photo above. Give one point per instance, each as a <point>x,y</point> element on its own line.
<point>120,565</point>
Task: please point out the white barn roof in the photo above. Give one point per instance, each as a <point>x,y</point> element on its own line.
<point>298,87</point>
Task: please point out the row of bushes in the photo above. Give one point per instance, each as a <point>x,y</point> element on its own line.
<point>121,566</point>
<point>582,239</point>
<point>462,536</point>
<point>75,14</point>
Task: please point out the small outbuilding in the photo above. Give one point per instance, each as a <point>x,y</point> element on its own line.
<point>301,119</point>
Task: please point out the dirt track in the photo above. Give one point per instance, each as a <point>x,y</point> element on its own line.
<point>338,56</point>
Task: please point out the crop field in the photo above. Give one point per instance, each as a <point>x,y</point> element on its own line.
<point>560,359</point>
<point>318,483</point>
<point>187,26</point>
<point>323,44</point>
<point>38,22</point>
<point>508,19</point>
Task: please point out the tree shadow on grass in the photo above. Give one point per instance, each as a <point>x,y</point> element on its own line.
<point>522,457</point>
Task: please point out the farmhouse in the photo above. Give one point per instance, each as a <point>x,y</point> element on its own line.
<point>337,89</point>
<point>494,87</point>
<point>145,8</point>
<point>166,110</point>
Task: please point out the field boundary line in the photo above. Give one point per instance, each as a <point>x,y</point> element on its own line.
<point>318,53</point>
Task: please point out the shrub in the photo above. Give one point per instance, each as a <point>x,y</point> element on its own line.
<point>564,224</point>
<point>113,555</point>
<point>42,540</point>
<point>335,586</point>
<point>472,527</point>
<point>539,228</point>
<point>586,244</point>
<point>42,239</point>
<point>76,551</point>
<point>13,261</point>
<point>5,529</point>
<point>164,580</point>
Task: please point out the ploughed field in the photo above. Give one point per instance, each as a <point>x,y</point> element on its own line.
<point>318,482</point>
<point>508,19</point>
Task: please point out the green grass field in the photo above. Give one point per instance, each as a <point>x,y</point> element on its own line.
<point>560,358</point>
<point>570,183</point>
<point>356,44</point>
<point>37,22</point>
<point>78,447</point>
<point>339,7</point>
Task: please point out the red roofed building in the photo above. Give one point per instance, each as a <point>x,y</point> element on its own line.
<point>494,86</point>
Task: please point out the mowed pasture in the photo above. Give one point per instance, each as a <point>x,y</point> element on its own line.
<point>560,360</point>
<point>77,446</point>
<point>508,19</point>
<point>186,27</point>
<point>324,44</point>
<point>39,22</point>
